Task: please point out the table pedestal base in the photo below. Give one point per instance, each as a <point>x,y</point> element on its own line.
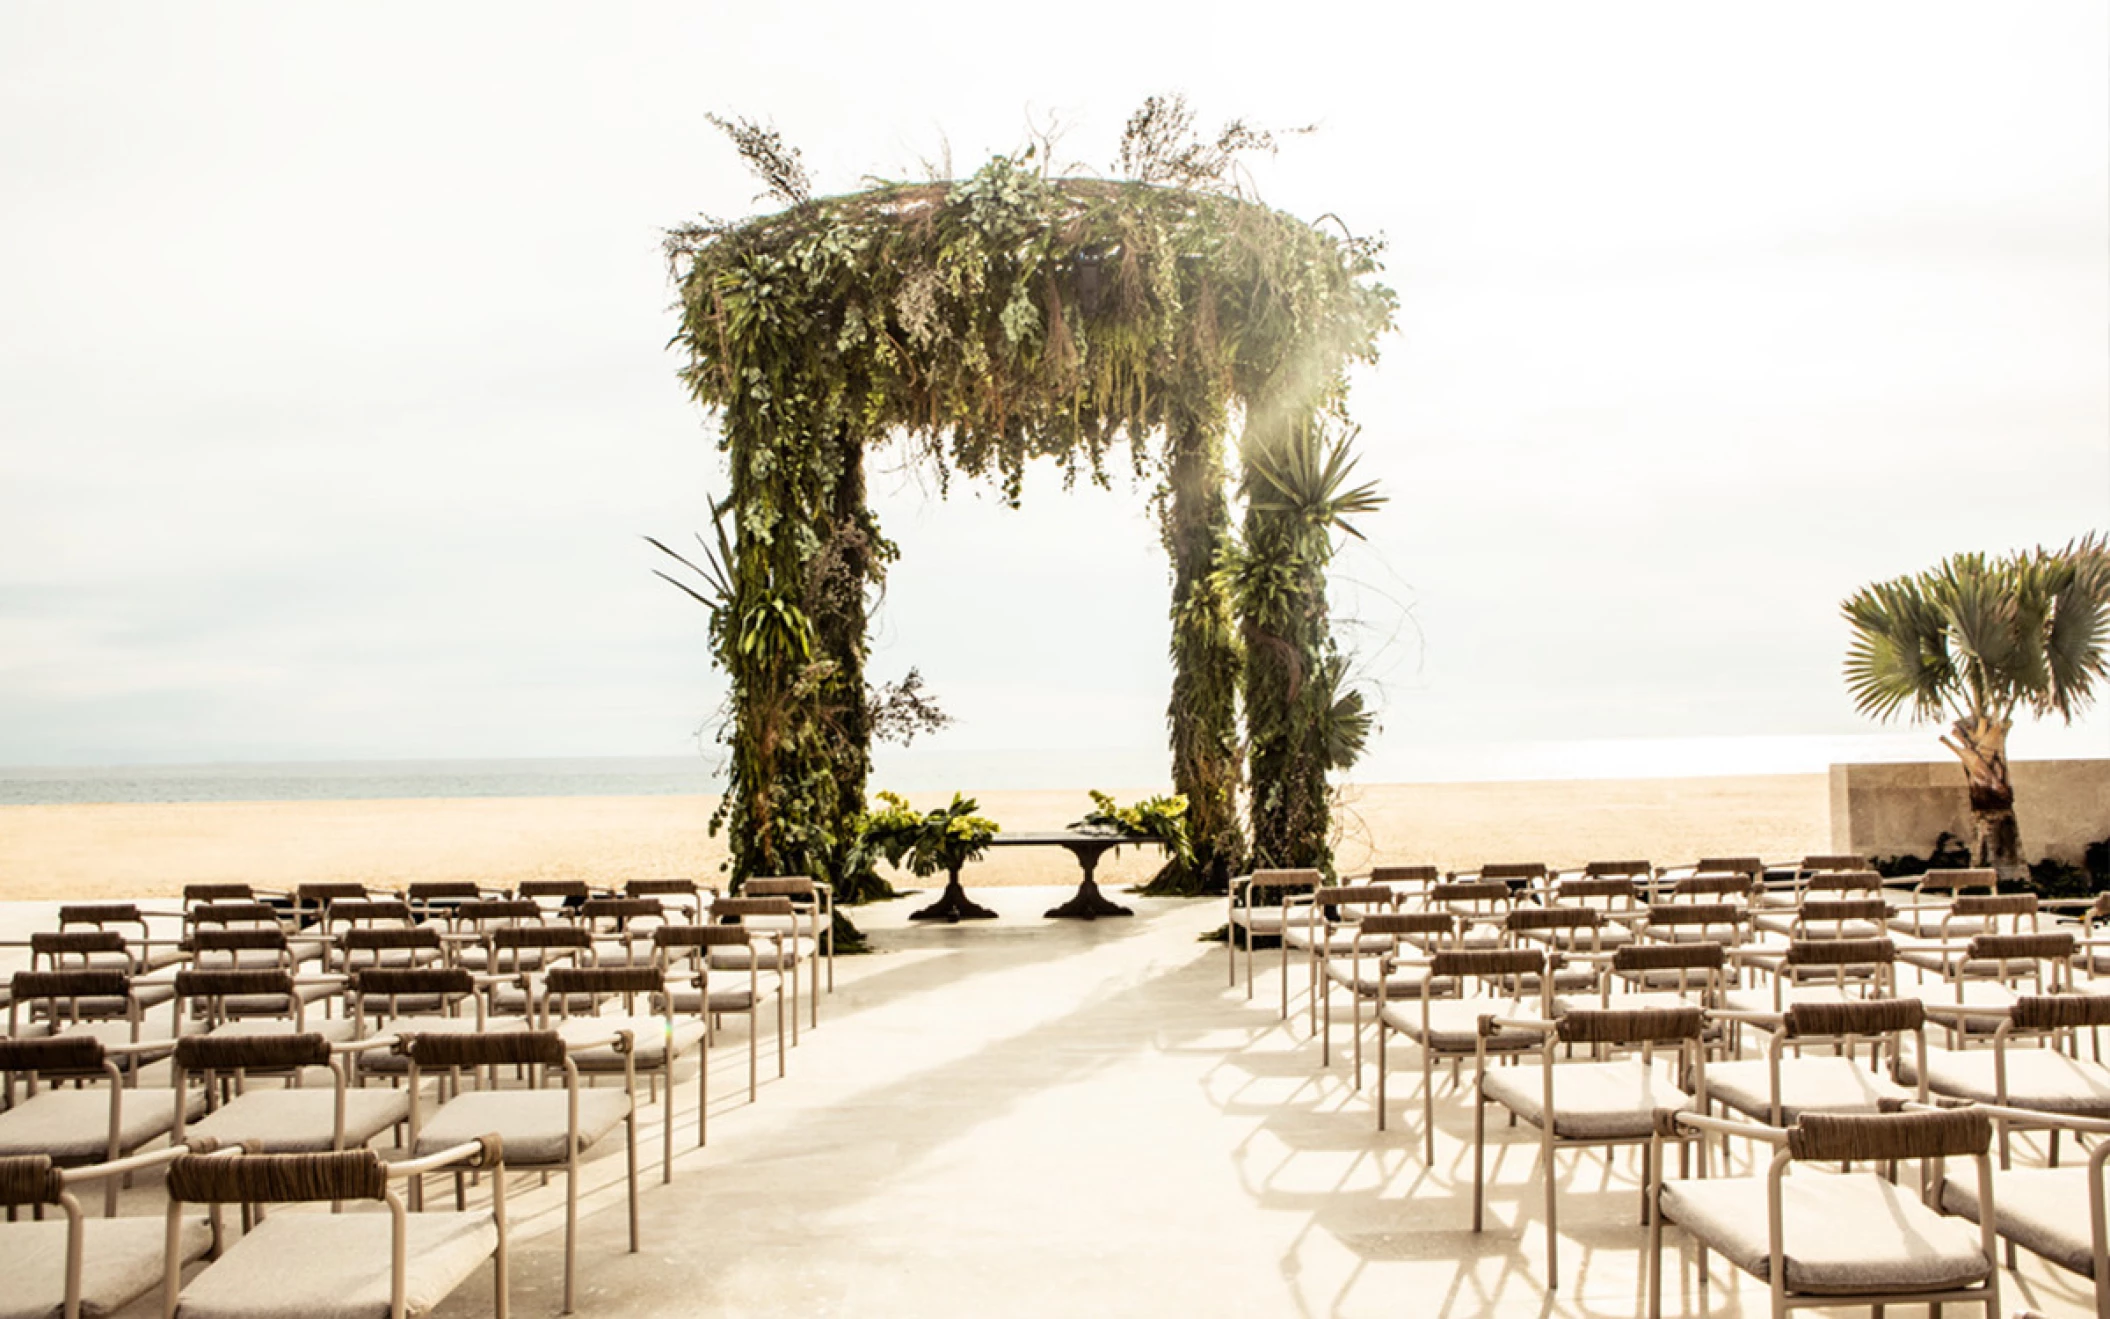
<point>1089,904</point>
<point>955,906</point>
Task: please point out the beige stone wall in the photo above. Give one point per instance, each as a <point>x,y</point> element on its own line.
<point>1887,810</point>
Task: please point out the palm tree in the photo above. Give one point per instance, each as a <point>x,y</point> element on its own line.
<point>1970,640</point>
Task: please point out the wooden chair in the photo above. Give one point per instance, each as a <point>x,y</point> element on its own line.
<point>2037,1208</point>
<point>354,1266</point>
<point>63,1116</point>
<point>287,1119</point>
<point>813,903</point>
<point>684,955</point>
<point>1779,1088</point>
<point>1834,1239</point>
<point>1248,918</point>
<point>76,1265</point>
<point>542,1127</point>
<point>1451,1028</point>
<point>657,1038</point>
<point>1598,1102</point>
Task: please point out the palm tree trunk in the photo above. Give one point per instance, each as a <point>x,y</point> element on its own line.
<point>1980,742</point>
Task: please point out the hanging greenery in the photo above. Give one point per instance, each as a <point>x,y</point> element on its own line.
<point>987,322</point>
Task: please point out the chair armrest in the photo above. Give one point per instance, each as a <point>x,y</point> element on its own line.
<point>122,1167</point>
<point>1726,1127</point>
<point>1516,1023</point>
<point>1768,1020</point>
<point>622,1041</point>
<point>1961,1011</point>
<point>476,1153</point>
<point>370,1044</point>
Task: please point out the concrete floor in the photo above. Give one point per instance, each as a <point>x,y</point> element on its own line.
<point>1024,1117</point>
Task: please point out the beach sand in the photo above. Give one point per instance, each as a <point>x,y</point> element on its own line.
<point>86,852</point>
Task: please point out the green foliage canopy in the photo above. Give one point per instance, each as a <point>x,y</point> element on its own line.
<point>1011,315</point>
<point>990,321</point>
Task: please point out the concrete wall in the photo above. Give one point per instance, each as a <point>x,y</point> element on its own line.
<point>1888,810</point>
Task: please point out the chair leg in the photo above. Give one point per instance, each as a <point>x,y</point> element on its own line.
<point>1655,1257</point>
<point>1428,1107</point>
<point>630,1153</point>
<point>1553,1264</point>
<point>1479,1155</point>
<point>1382,1031</point>
<point>571,1225</point>
<point>1326,1029</point>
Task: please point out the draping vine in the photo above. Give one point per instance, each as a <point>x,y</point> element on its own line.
<point>987,322</point>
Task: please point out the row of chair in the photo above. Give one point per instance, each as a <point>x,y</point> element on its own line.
<point>1661,980</point>
<point>300,1031</point>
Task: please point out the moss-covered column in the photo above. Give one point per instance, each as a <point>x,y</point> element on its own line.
<point>1203,714</point>
<point>1283,616</point>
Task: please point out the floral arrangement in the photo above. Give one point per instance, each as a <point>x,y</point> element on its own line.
<point>1163,818</point>
<point>926,842</point>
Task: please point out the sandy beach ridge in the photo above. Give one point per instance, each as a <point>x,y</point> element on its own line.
<point>99,851</point>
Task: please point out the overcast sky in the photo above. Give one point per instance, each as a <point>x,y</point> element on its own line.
<point>335,395</point>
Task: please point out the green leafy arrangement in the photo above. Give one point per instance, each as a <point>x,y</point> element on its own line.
<point>980,323</point>
<point>1163,818</point>
<point>927,842</point>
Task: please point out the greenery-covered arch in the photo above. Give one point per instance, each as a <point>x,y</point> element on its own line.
<point>993,320</point>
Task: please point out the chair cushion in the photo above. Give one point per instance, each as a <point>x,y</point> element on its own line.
<point>1591,1101</point>
<point>1845,1235</point>
<point>1339,941</point>
<point>2040,1209</point>
<point>1604,938</point>
<point>120,1262</point>
<point>1807,1085</point>
<point>1975,993</point>
<point>337,1030</point>
<point>1927,924</point>
<point>73,1126</point>
<point>1785,924</point>
<point>303,1121</point>
<point>722,1000</point>
<point>2042,1079</point>
<point>1760,999</point>
<point>735,957</point>
<point>1455,1023</point>
<point>1948,959</point>
<point>1404,982</point>
<point>650,1035</point>
<point>339,1266</point>
<point>1268,920</point>
<point>1626,1001</point>
<point>532,1122</point>
<point>1726,935</point>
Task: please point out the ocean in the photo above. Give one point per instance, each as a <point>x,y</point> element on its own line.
<point>596,776</point>
<point>1124,771</point>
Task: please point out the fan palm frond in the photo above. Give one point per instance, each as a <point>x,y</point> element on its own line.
<point>1899,651</point>
<point>2077,635</point>
<point>1984,616</point>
